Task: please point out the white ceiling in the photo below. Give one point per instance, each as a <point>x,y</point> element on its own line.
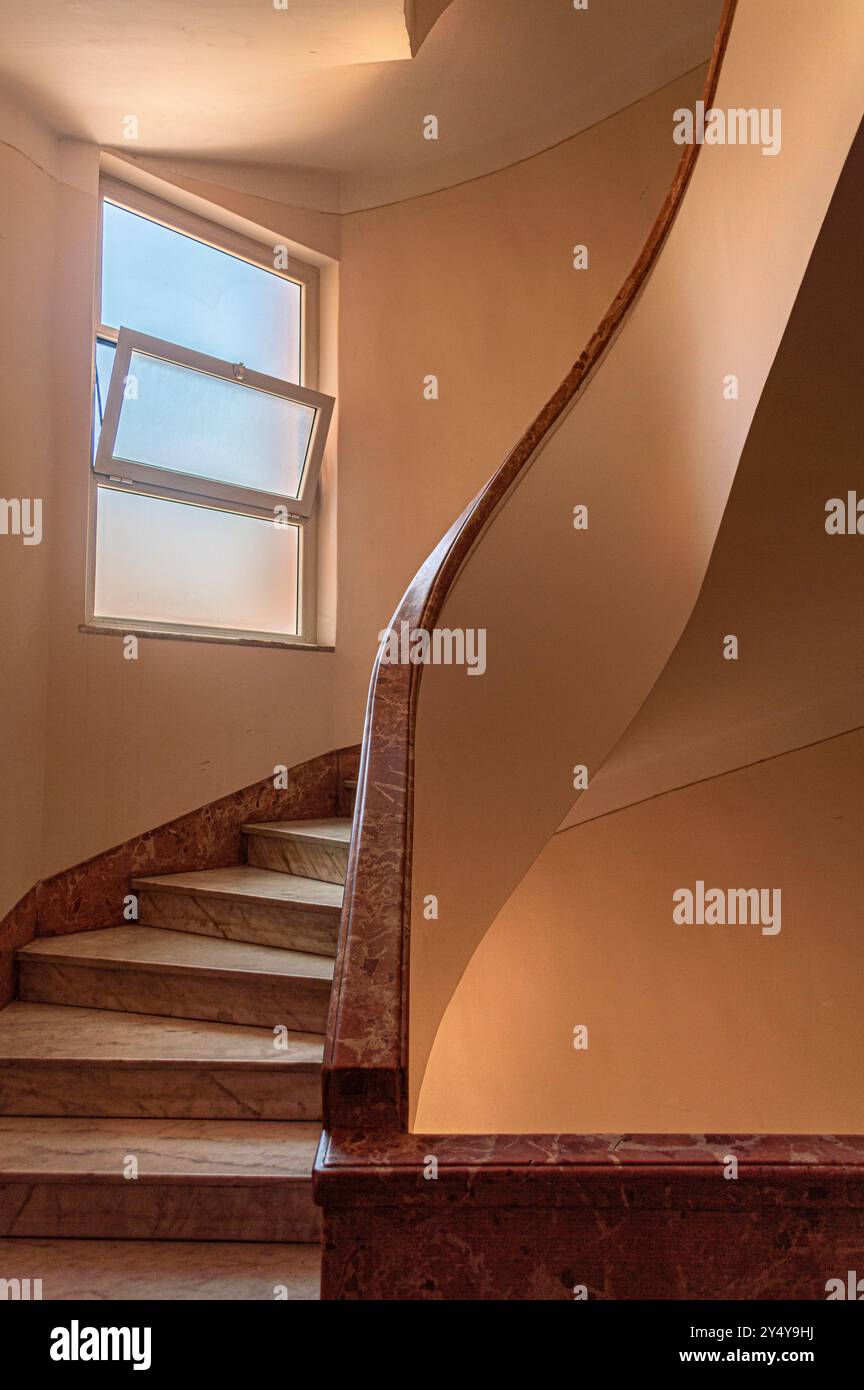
<point>330,84</point>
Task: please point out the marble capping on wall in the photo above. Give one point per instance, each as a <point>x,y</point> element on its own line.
<point>90,895</point>
<point>552,1217</point>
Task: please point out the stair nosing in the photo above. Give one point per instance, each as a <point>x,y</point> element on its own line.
<point>32,1175</point>
<point>156,884</point>
<point>280,1064</point>
<point>51,1177</point>
<point>149,967</point>
<point>24,956</point>
<point>267,831</point>
<point>116,1022</point>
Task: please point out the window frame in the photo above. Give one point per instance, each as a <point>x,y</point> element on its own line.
<point>250,501</point>
<point>174,487</point>
<point>221,238</point>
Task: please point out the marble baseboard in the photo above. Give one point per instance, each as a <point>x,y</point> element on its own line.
<point>17,928</point>
<point>91,894</point>
<point>535,1254</point>
<point>530,1217</point>
<point>348,766</point>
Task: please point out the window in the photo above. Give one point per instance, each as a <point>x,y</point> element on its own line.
<point>207,430</point>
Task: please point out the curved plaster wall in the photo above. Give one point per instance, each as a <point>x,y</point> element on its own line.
<point>714,1029</point>
<point>694,1029</point>
<point>421,16</point>
<point>580,623</point>
<point>791,592</point>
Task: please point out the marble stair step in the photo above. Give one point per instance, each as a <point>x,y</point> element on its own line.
<point>244,903</point>
<point>58,1060</point>
<point>128,1179</point>
<point>166,1271</point>
<point>147,970</point>
<point>306,848</point>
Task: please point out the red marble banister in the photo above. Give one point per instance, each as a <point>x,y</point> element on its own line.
<point>553,1217</point>
<point>473,1164</point>
<point>365,1057</point>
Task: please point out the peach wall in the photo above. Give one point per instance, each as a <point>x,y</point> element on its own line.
<point>474,285</point>
<point>734,1024</point>
<point>691,1029</point>
<point>420,17</point>
<point>579,625</point>
<point>791,593</point>
<point>452,284</point>
<point>132,744</point>
<point>26,264</point>
<point>102,748</point>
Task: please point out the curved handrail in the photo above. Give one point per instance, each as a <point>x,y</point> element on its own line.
<point>364,1072</point>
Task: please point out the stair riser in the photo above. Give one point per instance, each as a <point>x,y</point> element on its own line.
<point>167,1271</point>
<point>291,928</point>
<point>328,863</point>
<point>180,1210</point>
<point>187,1093</point>
<point>266,1001</point>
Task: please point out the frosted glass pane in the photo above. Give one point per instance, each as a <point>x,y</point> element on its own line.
<point>171,286</point>
<point>186,421</point>
<point>160,561</point>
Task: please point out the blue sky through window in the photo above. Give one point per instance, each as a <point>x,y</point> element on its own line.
<point>171,286</point>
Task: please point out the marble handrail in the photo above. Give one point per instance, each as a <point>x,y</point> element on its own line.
<point>366,1053</point>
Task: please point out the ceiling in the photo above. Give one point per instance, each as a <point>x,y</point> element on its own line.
<point>330,84</point>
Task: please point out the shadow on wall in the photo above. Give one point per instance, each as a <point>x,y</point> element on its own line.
<point>789,591</point>
<point>726,1027</point>
<point>577,636</point>
<point>705,1029</point>
<point>421,16</point>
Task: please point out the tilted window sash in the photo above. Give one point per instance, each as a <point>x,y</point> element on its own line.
<point>178,421</point>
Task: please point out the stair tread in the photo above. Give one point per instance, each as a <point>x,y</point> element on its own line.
<point>58,1033</point>
<point>128,1270</point>
<point>153,948</point>
<point>336,831</point>
<point>246,1151</point>
<point>247,884</point>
